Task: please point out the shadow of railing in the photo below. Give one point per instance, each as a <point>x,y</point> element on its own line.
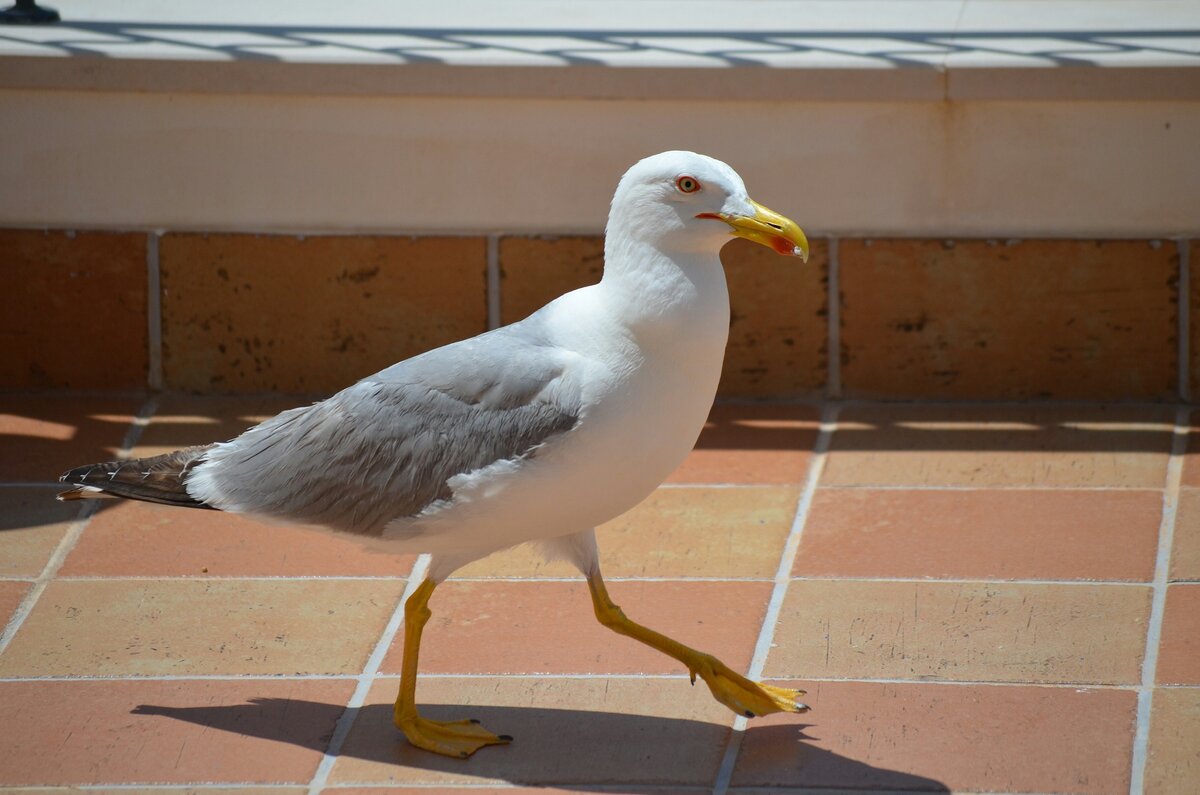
<point>601,47</point>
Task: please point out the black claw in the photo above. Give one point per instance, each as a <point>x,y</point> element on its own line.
<point>507,737</point>
<point>749,714</point>
<point>475,721</point>
<point>463,754</point>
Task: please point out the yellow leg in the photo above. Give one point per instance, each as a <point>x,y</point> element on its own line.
<point>735,691</point>
<point>459,738</point>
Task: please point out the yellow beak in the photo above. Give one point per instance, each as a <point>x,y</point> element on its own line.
<point>767,228</point>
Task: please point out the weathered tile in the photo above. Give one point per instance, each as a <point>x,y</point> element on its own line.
<point>985,632</point>
<point>867,736</point>
<point>686,531</point>
<point>752,444</point>
<point>1179,647</point>
<point>142,789</point>
<point>1194,316</point>
<point>32,523</point>
<point>12,593</point>
<point>1034,534</point>
<point>567,731</point>
<point>45,435</point>
<point>182,627</point>
<point>508,789</point>
<point>777,336</point>
<point>1085,319</point>
<point>501,627</point>
<point>74,733</point>
<point>1191,457</point>
<point>1173,762</point>
<point>536,270</point>
<point>963,445</point>
<point>1185,554</point>
<point>139,539</point>
<point>72,310</point>
<point>315,314</point>
<point>182,420</point>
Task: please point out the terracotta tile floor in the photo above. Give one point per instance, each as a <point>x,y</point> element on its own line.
<point>978,598</point>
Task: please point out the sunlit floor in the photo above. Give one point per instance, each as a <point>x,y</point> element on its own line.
<point>978,598</point>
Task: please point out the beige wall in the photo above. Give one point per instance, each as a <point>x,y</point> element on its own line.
<point>394,164</point>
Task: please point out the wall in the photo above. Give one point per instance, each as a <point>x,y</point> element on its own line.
<point>914,318</point>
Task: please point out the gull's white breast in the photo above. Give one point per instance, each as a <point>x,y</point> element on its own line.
<point>645,400</point>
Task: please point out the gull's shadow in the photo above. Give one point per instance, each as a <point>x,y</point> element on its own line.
<point>579,749</point>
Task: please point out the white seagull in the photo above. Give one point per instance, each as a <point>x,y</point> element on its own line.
<point>538,431</point>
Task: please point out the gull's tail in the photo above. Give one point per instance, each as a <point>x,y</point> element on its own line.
<point>160,478</point>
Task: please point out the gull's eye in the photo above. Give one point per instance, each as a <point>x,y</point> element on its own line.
<point>687,184</point>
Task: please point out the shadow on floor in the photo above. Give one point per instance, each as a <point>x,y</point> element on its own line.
<point>575,748</point>
<point>46,435</point>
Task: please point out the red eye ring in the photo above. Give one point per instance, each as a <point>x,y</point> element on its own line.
<point>686,184</point>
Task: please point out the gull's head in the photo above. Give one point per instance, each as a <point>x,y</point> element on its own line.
<point>682,201</point>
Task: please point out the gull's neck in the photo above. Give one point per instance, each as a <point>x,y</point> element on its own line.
<point>661,294</point>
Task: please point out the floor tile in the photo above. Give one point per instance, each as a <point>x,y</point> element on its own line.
<point>32,523</point>
<point>146,540</point>
<point>183,421</point>
<point>282,313</point>
<point>691,531</point>
<point>1185,554</point>
<point>163,732</point>
<point>549,627</point>
<point>567,731</point>
<point>752,444</point>
<point>72,309</point>
<point>142,789</point>
<point>508,789</point>
<point>12,592</point>
<point>989,534</point>
<point>1191,457</point>
<point>957,445</point>
<point>991,632</point>
<point>869,736</point>
<point>1173,762</point>
<point>1179,649</point>
<point>45,435</point>
<point>181,627</point>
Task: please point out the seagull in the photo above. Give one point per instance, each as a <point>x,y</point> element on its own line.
<point>534,432</point>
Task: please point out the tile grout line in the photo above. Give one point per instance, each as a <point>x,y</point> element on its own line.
<point>154,367</point>
<point>787,560</point>
<point>569,676</point>
<point>1183,304</point>
<point>71,537</point>
<point>43,484</point>
<point>493,281</point>
<point>342,729</point>
<point>537,579</point>
<point>833,320</point>
<point>1162,566</point>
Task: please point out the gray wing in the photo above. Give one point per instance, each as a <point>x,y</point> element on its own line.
<point>385,447</point>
